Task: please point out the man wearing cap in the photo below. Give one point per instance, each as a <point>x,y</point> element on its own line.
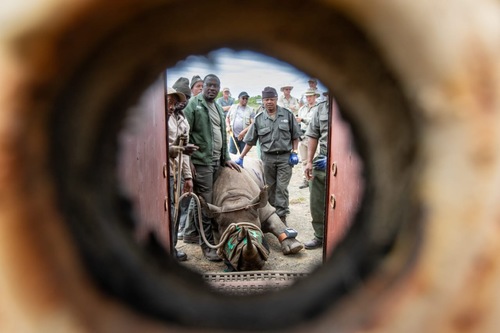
<point>303,118</point>
<point>313,84</point>
<point>208,131</point>
<point>196,85</point>
<point>225,100</point>
<point>178,133</point>
<point>239,118</point>
<point>287,101</point>
<point>278,133</point>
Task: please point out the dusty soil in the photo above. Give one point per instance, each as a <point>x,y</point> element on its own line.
<point>299,219</point>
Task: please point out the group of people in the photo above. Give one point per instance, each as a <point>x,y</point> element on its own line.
<point>282,126</point>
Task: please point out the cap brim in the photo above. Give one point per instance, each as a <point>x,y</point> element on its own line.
<point>181,96</point>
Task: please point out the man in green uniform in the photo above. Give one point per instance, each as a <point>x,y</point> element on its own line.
<point>208,132</point>
<point>278,133</point>
<point>315,172</point>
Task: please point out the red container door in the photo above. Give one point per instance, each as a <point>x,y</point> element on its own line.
<point>141,162</point>
<point>344,181</point>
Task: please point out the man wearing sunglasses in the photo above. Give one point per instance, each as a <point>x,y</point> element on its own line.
<point>239,118</point>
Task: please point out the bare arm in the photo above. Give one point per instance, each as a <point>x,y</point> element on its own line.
<point>245,150</point>
<point>245,130</point>
<point>295,144</point>
<point>311,149</point>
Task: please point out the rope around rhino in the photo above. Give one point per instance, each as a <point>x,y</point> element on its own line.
<point>225,234</point>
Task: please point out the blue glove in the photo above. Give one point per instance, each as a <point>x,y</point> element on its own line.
<point>320,163</point>
<point>294,159</point>
<point>239,161</point>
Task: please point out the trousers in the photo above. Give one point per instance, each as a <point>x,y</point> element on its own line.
<point>203,184</point>
<point>317,194</point>
<point>278,173</point>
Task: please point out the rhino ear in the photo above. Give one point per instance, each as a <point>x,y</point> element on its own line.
<point>211,210</point>
<point>263,197</point>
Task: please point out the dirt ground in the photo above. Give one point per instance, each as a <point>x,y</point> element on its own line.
<point>299,219</point>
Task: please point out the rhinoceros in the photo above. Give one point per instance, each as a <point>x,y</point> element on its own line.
<point>241,197</point>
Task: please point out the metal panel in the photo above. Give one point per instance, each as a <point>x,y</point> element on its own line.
<point>344,181</point>
<point>141,162</point>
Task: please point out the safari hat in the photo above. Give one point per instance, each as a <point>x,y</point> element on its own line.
<point>311,92</point>
<point>286,86</point>
<point>226,89</point>
<point>313,80</point>
<point>172,91</point>
<point>182,85</point>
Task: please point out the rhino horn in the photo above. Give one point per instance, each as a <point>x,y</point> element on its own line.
<point>249,251</point>
<point>250,258</point>
<point>211,211</point>
<point>261,199</point>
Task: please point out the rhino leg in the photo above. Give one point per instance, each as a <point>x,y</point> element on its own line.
<point>274,225</point>
<point>270,222</point>
<point>291,246</point>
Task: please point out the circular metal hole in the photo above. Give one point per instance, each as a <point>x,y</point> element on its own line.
<point>112,74</point>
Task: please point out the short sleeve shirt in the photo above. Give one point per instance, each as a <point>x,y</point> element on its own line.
<point>318,126</point>
<point>222,102</point>
<point>291,104</point>
<point>274,134</point>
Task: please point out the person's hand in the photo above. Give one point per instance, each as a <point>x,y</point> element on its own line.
<point>189,149</point>
<point>173,151</point>
<point>298,119</point>
<point>308,171</point>
<point>239,161</point>
<point>182,137</point>
<point>294,159</point>
<point>188,185</point>
<point>320,163</point>
<point>233,165</point>
<point>241,136</point>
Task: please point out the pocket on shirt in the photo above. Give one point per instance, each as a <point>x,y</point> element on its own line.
<point>264,134</point>
<point>246,121</point>
<point>284,131</point>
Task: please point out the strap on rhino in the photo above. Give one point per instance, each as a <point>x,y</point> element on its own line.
<point>238,237</point>
<point>228,232</point>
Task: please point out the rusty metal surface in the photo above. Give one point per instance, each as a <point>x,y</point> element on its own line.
<point>444,56</point>
<point>345,185</point>
<point>140,165</point>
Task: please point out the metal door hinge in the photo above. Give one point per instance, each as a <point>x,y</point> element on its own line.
<point>333,201</point>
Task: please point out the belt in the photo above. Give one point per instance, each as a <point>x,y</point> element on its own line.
<point>280,152</point>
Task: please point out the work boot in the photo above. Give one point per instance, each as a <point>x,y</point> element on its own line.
<point>210,254</point>
<point>283,219</point>
<point>180,255</point>
<point>313,244</point>
<point>305,184</point>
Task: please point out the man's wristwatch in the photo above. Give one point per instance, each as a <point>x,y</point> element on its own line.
<point>288,233</point>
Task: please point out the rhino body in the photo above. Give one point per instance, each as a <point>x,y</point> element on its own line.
<point>242,197</point>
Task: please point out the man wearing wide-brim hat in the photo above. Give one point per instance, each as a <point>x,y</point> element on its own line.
<point>313,85</point>
<point>304,118</point>
<point>287,101</point>
<point>180,170</point>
